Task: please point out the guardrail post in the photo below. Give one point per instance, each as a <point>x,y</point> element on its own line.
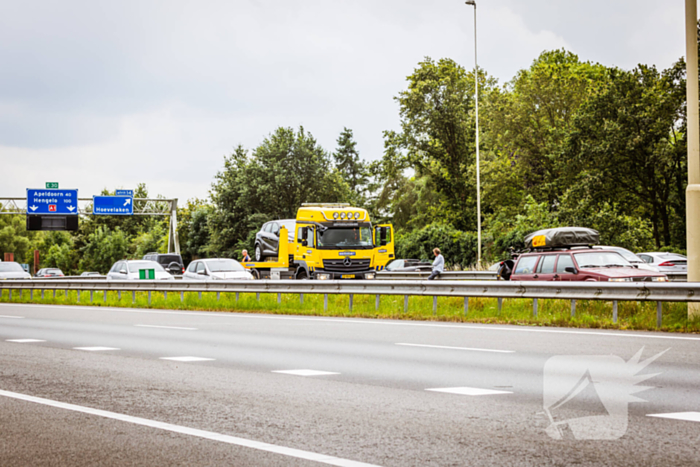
<point>54,293</point>
<point>42,294</point>
<point>200,295</point>
<point>236,297</point>
<point>31,295</point>
<point>218,296</point>
<point>466,305</point>
<point>405,303</point>
<point>658,315</point>
<point>301,298</point>
<point>165,295</point>
<point>325,302</point>
<point>20,294</point>
<point>78,295</point>
<point>104,296</point>
<point>351,302</point>
<point>182,296</point>
<point>573,308</point>
<point>279,298</point>
<point>534,307</point>
<point>149,297</point>
<point>376,302</point>
<point>500,304</point>
<point>434,304</point>
<point>614,311</point>
<point>10,294</point>
<point>91,292</point>
<point>119,295</point>
<point>133,297</point>
<point>257,296</point>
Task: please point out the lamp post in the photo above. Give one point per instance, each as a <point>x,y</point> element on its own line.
<point>693,191</point>
<point>478,175</point>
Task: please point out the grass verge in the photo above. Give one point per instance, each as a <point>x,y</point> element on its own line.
<point>589,313</point>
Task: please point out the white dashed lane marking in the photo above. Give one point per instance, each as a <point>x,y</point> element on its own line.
<point>473,349</point>
<point>463,391</point>
<point>187,359</point>
<point>24,341</point>
<point>95,349</point>
<point>306,372</point>
<point>247,443</point>
<point>12,317</point>
<point>686,416</point>
<point>164,327</point>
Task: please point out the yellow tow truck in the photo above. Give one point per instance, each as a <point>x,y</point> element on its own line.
<point>330,241</point>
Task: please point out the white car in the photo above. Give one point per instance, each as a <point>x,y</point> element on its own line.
<point>128,270</point>
<point>666,262</point>
<point>12,270</point>
<point>216,269</point>
<point>631,257</point>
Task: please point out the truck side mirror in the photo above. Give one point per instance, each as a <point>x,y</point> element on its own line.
<point>382,236</point>
<point>304,243</point>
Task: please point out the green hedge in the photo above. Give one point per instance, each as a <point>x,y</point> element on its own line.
<point>458,248</point>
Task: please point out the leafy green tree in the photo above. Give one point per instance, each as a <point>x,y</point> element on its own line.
<point>14,237</point>
<point>287,169</point>
<point>193,229</point>
<point>57,250</point>
<point>104,248</point>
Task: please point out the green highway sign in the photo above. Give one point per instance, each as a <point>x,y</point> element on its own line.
<point>52,185</point>
<point>147,274</point>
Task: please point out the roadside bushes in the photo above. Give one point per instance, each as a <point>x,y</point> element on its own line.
<point>458,247</point>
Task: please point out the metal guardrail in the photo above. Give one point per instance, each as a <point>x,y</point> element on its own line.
<point>481,275</point>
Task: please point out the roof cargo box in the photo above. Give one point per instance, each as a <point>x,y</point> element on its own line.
<point>562,237</point>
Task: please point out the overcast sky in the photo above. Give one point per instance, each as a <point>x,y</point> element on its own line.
<point>104,94</point>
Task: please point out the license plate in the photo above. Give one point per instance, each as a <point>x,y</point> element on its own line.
<point>348,276</point>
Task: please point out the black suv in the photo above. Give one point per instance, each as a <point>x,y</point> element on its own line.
<point>171,262</point>
<point>267,239</point>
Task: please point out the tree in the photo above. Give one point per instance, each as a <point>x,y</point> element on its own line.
<point>287,169</point>
<point>349,165</point>
<point>104,248</point>
<point>625,143</point>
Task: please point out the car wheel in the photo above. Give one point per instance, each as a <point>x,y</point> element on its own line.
<point>258,253</point>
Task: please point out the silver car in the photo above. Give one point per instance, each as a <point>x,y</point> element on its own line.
<point>129,270</point>
<point>213,269</point>
<point>12,270</point>
<point>631,257</point>
<point>666,262</point>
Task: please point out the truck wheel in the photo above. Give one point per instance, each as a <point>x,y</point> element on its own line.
<point>302,275</point>
<point>258,253</point>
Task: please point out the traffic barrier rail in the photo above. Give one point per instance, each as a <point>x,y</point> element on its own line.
<point>607,291</point>
<point>481,275</point>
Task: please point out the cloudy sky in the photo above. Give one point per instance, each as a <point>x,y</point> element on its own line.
<point>103,94</point>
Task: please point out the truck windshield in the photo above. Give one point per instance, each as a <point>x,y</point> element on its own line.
<point>345,237</point>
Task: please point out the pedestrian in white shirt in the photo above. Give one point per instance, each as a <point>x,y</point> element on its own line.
<point>438,264</point>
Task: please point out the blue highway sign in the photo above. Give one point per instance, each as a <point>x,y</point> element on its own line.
<point>41,201</point>
<point>124,193</point>
<point>113,205</point>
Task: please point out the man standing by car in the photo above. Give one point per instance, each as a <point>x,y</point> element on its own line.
<point>246,258</point>
<point>438,264</point>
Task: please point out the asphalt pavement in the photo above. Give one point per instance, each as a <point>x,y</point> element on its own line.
<point>113,386</point>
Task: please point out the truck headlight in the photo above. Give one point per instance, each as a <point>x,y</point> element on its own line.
<point>323,277</point>
<point>620,279</point>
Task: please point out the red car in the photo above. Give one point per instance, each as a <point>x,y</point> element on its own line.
<point>567,254</point>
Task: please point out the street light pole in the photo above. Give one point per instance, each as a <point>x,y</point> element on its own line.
<point>478,174</point>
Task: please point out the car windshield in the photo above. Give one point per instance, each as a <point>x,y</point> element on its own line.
<point>345,237</point>
<point>134,266</point>
<point>602,259</point>
<point>10,267</point>
<point>224,265</point>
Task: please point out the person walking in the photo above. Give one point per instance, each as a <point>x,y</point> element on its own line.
<point>246,258</point>
<point>438,264</point>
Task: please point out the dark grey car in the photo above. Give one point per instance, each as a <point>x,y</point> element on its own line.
<point>267,238</point>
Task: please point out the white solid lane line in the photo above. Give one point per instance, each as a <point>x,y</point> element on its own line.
<point>463,391</point>
<point>285,451</point>
<point>686,416</point>
<point>163,327</point>
<point>24,341</point>
<point>12,317</point>
<point>306,372</point>
<point>456,348</point>
<point>95,349</point>
<point>187,359</point>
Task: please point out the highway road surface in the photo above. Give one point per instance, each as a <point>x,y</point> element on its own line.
<point>107,386</point>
